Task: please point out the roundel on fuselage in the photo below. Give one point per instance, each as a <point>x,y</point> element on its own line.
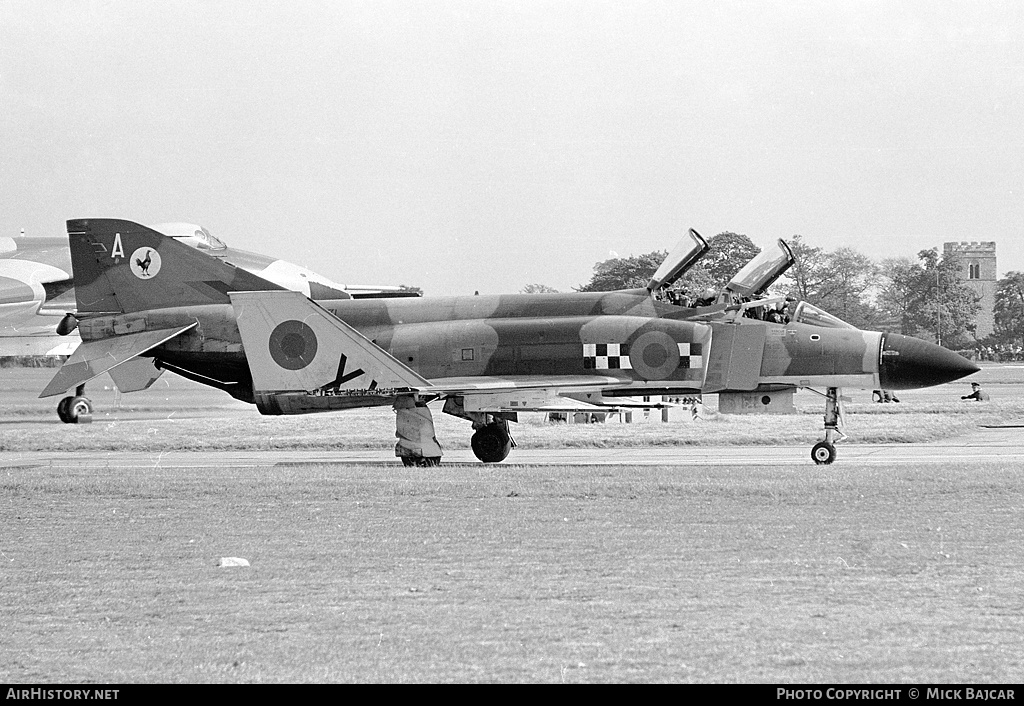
<point>654,355</point>
<point>293,345</point>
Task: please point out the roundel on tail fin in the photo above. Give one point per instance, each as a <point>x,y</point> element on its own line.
<point>145,263</point>
<point>293,345</point>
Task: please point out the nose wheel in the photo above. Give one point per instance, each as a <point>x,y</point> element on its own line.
<point>823,453</point>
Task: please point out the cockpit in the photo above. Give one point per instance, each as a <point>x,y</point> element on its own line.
<point>690,249</point>
<point>749,283</point>
<point>759,274</point>
<point>813,316</point>
<point>191,234</point>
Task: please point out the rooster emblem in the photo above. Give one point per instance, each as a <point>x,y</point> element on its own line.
<point>145,263</point>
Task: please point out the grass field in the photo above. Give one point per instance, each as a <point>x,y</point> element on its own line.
<point>791,574</point>
<point>770,574</point>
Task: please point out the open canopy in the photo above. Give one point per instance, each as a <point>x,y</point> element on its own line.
<point>759,274</point>
<point>690,249</point>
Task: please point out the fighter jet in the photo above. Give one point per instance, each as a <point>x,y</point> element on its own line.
<point>36,287</point>
<point>483,358</point>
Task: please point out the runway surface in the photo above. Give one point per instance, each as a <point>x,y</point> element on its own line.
<point>180,399</point>
<point>1003,443</point>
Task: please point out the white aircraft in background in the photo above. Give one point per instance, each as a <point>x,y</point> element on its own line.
<point>37,286</point>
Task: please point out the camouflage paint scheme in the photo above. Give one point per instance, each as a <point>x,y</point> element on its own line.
<point>183,312</point>
<point>37,288</point>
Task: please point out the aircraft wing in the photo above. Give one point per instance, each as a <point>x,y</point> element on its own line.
<point>93,358</point>
<point>533,393</point>
<point>518,392</point>
<point>504,383</point>
<point>293,344</point>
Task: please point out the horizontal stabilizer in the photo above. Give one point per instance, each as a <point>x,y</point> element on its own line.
<point>93,358</point>
<point>135,374</point>
<point>292,344</point>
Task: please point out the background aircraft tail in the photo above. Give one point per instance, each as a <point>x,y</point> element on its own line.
<point>122,267</point>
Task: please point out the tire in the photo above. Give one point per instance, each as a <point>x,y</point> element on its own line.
<point>78,407</point>
<point>62,410</point>
<point>421,461</point>
<point>823,453</point>
<point>491,444</point>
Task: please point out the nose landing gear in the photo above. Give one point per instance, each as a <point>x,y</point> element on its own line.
<point>824,452</point>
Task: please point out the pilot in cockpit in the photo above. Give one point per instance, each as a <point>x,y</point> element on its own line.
<point>777,314</point>
<point>707,297</point>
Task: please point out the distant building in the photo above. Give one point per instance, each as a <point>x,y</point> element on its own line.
<point>978,269</point>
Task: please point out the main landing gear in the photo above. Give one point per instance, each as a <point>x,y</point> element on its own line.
<point>77,409</point>
<point>414,426</point>
<point>418,446</point>
<point>492,442</point>
<point>824,452</point>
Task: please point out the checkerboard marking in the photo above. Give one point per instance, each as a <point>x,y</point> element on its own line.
<point>615,356</point>
<point>606,356</point>
<point>690,355</point>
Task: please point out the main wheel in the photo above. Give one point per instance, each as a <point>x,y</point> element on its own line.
<point>823,453</point>
<point>491,443</point>
<point>62,410</point>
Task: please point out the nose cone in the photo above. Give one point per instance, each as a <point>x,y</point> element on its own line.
<point>909,363</point>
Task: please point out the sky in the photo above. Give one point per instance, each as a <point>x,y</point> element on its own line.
<point>483,146</point>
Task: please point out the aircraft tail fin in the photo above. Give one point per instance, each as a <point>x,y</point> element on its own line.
<point>294,345</point>
<point>121,267</point>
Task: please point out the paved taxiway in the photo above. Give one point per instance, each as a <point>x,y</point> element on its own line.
<point>1003,443</point>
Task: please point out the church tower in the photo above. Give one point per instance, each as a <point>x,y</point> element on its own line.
<point>977,262</point>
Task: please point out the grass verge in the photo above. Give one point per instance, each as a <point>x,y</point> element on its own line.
<point>763,574</point>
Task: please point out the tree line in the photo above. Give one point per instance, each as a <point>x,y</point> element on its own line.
<point>925,297</point>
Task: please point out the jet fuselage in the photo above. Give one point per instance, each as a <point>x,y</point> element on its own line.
<point>625,335</point>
